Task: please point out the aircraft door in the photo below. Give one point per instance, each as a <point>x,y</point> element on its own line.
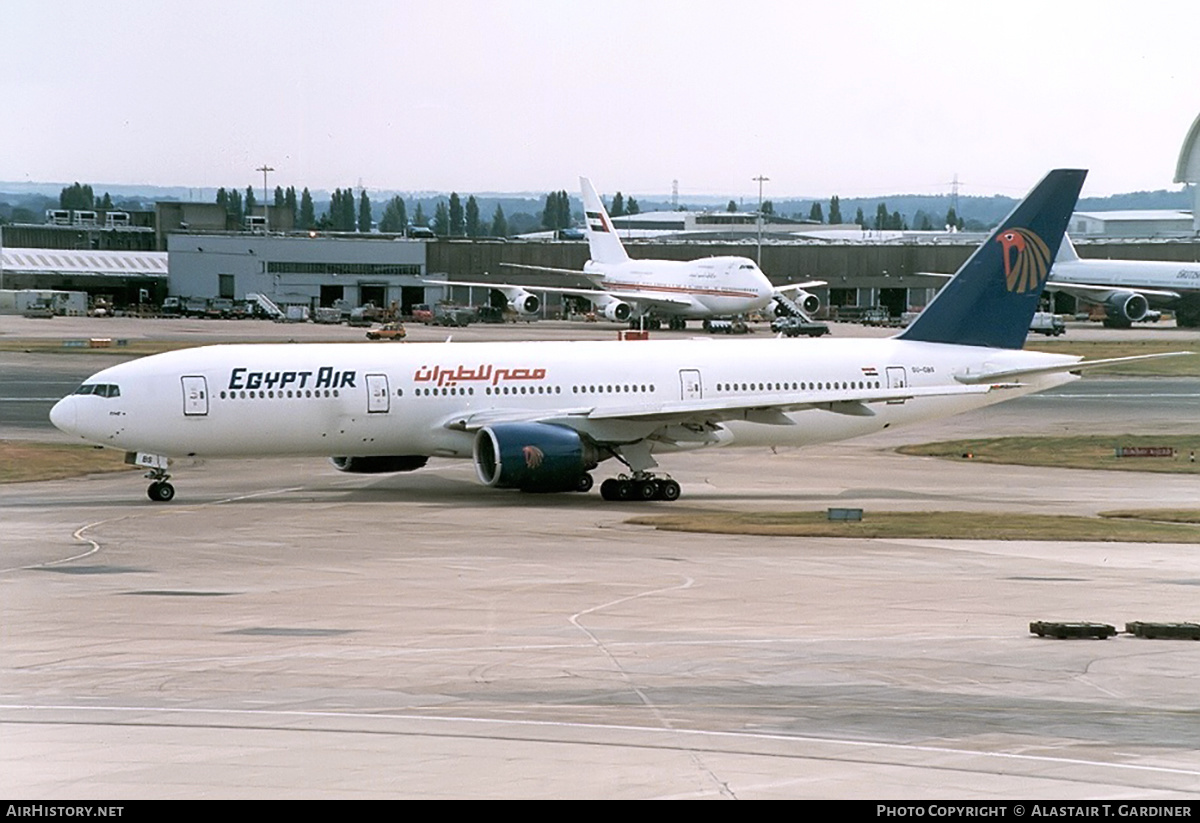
<point>690,386</point>
<point>195,396</point>
<point>896,377</point>
<point>378,399</point>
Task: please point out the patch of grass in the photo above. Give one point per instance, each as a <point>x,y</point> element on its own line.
<point>924,525</point>
<point>23,461</point>
<point>1185,366</point>
<point>1081,452</point>
<point>139,348</point>
<point>1157,515</point>
<point>135,348</point>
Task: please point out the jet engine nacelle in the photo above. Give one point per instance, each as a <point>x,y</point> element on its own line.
<point>524,302</point>
<point>533,457</point>
<point>379,465</point>
<point>1127,307</point>
<point>618,311</point>
<point>808,302</point>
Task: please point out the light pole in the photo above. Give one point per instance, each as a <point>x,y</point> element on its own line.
<point>264,168</point>
<point>760,179</point>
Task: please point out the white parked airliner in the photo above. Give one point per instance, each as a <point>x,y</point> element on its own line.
<point>1128,288</point>
<point>678,290</point>
<point>540,417</point>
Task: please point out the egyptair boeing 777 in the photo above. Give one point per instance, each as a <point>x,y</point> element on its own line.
<point>678,290</point>
<point>541,418</point>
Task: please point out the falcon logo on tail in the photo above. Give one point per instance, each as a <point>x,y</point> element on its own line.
<point>1026,260</point>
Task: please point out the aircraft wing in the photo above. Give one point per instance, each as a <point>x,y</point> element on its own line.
<point>766,408</point>
<point>770,408</point>
<point>644,299</point>
<point>502,286</point>
<point>473,421</point>
<point>594,295</point>
<point>1088,291</point>
<point>697,420</point>
<point>1100,294</point>
<point>578,272</point>
<point>810,284</point>
<point>482,285</point>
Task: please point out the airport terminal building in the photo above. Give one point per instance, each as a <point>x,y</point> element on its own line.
<point>299,270</point>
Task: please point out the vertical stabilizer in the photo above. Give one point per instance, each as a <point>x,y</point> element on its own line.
<point>1066,252</point>
<point>991,300</point>
<point>603,243</point>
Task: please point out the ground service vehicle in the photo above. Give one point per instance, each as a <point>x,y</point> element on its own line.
<point>388,331</point>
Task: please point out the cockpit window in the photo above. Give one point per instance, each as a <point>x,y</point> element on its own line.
<point>101,389</point>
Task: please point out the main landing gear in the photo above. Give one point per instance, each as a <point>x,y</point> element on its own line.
<point>640,486</point>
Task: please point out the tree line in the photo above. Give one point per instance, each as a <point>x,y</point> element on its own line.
<point>348,212</point>
<point>82,198</point>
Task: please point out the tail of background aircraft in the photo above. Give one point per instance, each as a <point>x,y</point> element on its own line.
<point>991,300</point>
<point>603,243</point>
<point>1066,252</point>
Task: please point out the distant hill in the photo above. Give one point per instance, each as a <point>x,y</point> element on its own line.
<point>1161,199</point>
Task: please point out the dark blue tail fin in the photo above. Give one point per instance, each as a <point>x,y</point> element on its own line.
<point>992,298</point>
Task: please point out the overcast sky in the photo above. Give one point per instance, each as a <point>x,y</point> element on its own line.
<point>849,98</point>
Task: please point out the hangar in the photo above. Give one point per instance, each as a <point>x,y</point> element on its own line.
<point>1137,223</point>
<point>121,275</point>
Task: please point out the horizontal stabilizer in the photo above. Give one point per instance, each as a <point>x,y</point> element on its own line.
<point>1079,365</point>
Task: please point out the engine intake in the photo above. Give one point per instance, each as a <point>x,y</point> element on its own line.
<point>808,301</point>
<point>618,311</point>
<point>533,457</point>
<point>523,302</point>
<point>1128,306</point>
<point>379,465</point>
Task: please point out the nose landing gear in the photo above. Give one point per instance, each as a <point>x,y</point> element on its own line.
<point>160,490</point>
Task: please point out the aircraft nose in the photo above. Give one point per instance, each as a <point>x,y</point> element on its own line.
<point>63,415</point>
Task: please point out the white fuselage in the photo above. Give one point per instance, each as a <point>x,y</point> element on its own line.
<point>708,287</point>
<point>423,399</point>
<point>1128,274</point>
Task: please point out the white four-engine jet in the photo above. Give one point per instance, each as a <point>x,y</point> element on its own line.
<point>541,417</point>
<point>625,288</point>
